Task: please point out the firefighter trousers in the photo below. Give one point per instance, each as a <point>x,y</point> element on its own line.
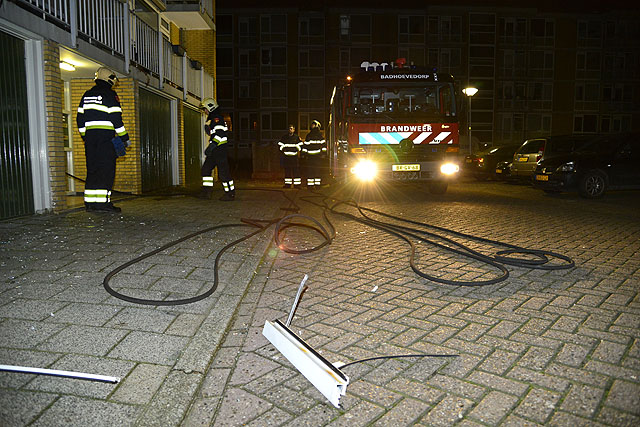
<point>101,171</point>
<point>217,158</point>
<point>312,166</point>
<point>291,170</point>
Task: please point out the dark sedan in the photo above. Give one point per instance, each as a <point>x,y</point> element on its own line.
<point>483,164</point>
<point>609,162</point>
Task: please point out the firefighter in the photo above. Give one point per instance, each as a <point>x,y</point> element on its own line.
<point>100,123</point>
<point>216,153</point>
<point>313,153</point>
<point>290,146</point>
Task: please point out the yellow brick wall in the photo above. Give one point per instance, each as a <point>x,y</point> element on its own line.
<point>128,173</point>
<point>54,105</point>
<point>200,45</point>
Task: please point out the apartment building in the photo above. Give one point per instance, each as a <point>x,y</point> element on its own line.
<point>540,70</point>
<point>164,54</point>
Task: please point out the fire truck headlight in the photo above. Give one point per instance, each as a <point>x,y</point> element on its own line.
<point>449,168</point>
<point>365,170</point>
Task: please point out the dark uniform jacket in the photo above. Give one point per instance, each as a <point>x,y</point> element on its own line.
<point>100,114</point>
<point>216,128</point>
<point>314,143</point>
<point>290,145</point>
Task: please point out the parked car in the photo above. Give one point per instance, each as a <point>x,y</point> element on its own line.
<point>483,164</point>
<point>503,170</point>
<point>526,158</point>
<point>609,162</point>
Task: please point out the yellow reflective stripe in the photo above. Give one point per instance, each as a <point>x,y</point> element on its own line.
<point>80,110</point>
<point>221,127</point>
<point>207,181</point>
<point>103,108</point>
<point>96,196</point>
<point>99,124</point>
<point>121,131</point>
<point>231,186</point>
<point>82,130</point>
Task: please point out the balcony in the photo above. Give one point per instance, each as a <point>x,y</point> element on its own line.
<point>191,14</point>
<point>112,27</point>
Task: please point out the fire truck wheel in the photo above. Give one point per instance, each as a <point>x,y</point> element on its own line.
<point>438,187</point>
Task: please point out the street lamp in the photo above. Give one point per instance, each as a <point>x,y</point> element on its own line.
<point>469,91</point>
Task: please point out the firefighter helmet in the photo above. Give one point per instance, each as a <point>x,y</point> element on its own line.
<point>107,75</point>
<point>209,103</point>
<point>317,123</point>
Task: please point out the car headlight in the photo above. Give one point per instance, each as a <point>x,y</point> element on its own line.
<point>449,168</point>
<point>365,170</point>
<point>567,167</point>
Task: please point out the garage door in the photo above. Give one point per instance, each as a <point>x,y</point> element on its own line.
<point>155,141</point>
<point>16,189</point>
<point>192,146</point>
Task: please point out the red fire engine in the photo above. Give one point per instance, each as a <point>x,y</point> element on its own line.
<point>392,122</point>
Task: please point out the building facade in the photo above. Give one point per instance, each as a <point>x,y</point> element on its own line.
<point>539,71</point>
<point>164,54</point>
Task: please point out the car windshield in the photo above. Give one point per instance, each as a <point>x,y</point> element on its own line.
<point>409,100</point>
<point>567,145</point>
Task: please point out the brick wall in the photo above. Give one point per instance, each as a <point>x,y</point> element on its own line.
<point>128,173</point>
<point>200,45</point>
<point>54,105</point>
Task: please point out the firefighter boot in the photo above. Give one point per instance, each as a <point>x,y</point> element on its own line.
<point>205,193</point>
<point>228,196</point>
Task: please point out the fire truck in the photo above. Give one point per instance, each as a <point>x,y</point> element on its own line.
<point>394,122</point>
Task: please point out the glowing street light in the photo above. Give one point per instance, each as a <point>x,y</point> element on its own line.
<point>469,91</point>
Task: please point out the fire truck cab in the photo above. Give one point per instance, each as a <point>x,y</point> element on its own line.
<point>392,122</point>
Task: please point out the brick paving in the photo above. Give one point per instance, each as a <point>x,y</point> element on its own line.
<point>542,347</point>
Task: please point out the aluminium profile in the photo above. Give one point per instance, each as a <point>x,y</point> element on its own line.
<point>326,377</point>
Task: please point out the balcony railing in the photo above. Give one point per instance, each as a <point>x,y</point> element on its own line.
<point>112,26</point>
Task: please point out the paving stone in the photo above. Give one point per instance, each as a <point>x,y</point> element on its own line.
<point>141,384</point>
<point>625,396</point>
<point>448,411</point>
<point>80,411</point>
<point>538,405</point>
<point>84,340</point>
<point>493,407</point>
<point>582,400</point>
<point>19,408</point>
<point>149,347</point>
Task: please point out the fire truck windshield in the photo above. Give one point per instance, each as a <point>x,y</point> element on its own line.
<point>434,99</point>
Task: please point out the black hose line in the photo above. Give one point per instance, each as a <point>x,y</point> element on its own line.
<point>423,232</point>
<point>396,356</point>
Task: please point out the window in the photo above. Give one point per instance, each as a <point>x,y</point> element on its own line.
<point>273,24</point>
<point>360,25</point>
<point>588,61</point>
<point>274,89</point>
<point>310,26</point>
<point>247,90</point>
<point>275,121</point>
<point>311,58</point>
<point>411,29</point>
<point>587,123</point>
<point>444,28</point>
<point>273,56</point>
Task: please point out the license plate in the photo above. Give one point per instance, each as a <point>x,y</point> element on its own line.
<point>542,177</point>
<point>397,168</point>
<point>498,170</point>
<point>523,159</point>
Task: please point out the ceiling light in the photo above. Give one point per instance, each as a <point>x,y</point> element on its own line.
<point>67,67</point>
